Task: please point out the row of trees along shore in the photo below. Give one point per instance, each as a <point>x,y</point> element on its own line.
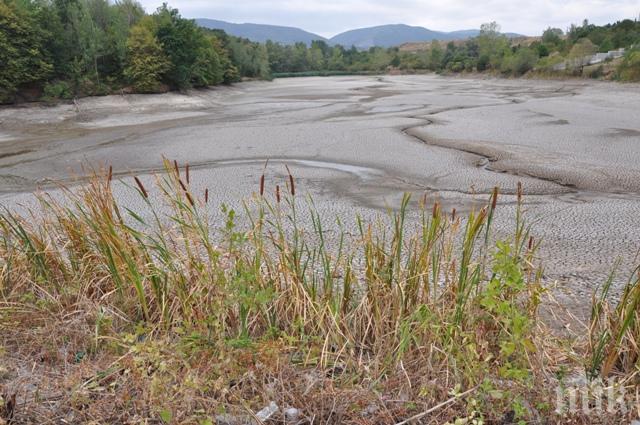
<point>57,49</point>
<point>490,51</point>
<point>64,48</point>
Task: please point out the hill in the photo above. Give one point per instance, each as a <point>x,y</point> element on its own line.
<point>395,35</point>
<point>362,38</point>
<point>262,33</point>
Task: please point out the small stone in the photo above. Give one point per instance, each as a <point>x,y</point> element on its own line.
<point>267,412</point>
<point>233,420</point>
<point>371,410</point>
<point>292,414</point>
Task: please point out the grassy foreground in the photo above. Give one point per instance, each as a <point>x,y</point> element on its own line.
<point>110,317</point>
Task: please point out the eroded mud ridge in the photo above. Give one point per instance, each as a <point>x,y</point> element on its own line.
<point>360,142</point>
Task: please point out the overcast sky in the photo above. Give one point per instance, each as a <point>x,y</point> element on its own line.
<point>329,17</point>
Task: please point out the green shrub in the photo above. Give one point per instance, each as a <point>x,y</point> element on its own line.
<point>521,62</point>
<point>57,90</point>
<point>629,69</point>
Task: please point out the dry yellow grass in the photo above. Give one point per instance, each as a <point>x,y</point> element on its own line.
<point>109,317</point>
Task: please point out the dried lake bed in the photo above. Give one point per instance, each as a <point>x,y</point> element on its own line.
<point>359,143</point>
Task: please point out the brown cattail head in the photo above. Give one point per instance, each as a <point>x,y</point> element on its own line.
<point>436,209</point>
<point>494,198</point>
<point>278,193</point>
<point>453,215</point>
<point>110,174</point>
<point>262,185</point>
<point>141,187</point>
<point>292,185</point>
<point>186,172</point>
<point>186,192</point>
<point>189,198</point>
<point>206,196</point>
<point>176,168</point>
<point>519,192</point>
<point>530,242</point>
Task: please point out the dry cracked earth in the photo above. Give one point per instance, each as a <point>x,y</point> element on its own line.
<point>359,143</point>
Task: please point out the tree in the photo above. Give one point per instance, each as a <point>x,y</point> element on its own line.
<point>123,15</point>
<point>22,55</point>
<point>89,36</point>
<point>552,36</point>
<point>182,42</point>
<point>220,41</point>
<point>251,59</point>
<point>336,61</point>
<point>315,57</point>
<point>207,69</point>
<point>435,56</point>
<point>491,29</point>
<point>379,59</point>
<point>492,44</point>
<point>146,62</point>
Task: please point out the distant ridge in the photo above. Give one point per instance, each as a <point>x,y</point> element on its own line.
<point>262,33</point>
<point>395,35</point>
<point>362,38</point>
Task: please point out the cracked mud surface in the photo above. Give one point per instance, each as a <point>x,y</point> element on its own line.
<point>360,142</point>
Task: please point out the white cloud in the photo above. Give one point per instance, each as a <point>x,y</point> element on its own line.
<point>329,17</point>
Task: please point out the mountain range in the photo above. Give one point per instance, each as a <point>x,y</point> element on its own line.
<point>262,33</point>
<point>362,38</point>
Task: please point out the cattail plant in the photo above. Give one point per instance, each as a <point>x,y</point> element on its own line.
<point>292,186</point>
<point>413,303</point>
<point>186,192</point>
<point>141,187</point>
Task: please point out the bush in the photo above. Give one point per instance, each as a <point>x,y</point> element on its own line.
<point>483,62</point>
<point>57,90</point>
<point>629,69</point>
<point>521,62</point>
<point>88,87</point>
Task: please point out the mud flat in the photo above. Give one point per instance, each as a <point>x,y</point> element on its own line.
<point>361,142</point>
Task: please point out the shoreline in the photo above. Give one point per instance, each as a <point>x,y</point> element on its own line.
<point>329,74</point>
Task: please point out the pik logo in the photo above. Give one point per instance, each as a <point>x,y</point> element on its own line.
<point>594,397</point>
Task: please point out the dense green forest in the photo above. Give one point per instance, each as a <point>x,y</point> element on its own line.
<point>57,49</point>
<point>65,48</point>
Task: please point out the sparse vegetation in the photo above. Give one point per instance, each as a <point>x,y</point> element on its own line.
<point>119,316</point>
